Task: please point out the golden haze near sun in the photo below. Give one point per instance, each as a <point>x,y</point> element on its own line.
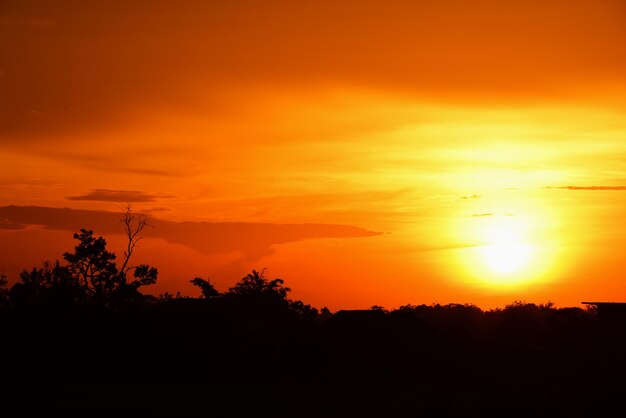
<point>467,152</point>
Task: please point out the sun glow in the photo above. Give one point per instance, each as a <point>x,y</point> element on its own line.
<point>506,251</point>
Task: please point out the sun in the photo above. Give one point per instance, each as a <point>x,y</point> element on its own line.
<point>506,250</point>
<point>506,241</point>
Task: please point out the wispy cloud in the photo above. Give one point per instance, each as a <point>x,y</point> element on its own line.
<point>251,240</point>
<point>108,195</point>
<point>597,188</point>
<point>159,209</point>
<point>109,164</point>
<point>482,215</point>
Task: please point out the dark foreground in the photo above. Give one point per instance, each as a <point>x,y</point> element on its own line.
<point>223,358</point>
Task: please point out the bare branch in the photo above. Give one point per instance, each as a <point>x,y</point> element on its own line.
<point>134,224</point>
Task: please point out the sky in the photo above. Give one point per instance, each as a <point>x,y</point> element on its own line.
<point>387,153</point>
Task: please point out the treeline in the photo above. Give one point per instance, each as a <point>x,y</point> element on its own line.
<point>86,319</point>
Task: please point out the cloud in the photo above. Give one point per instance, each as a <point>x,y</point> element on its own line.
<point>473,196</point>
<point>159,209</point>
<point>31,182</point>
<point>114,163</point>
<point>7,224</point>
<point>593,188</point>
<point>482,215</point>
<point>108,195</point>
<point>252,240</point>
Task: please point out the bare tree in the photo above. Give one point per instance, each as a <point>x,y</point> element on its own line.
<point>134,224</point>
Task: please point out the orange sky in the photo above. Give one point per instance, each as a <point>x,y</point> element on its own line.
<point>449,151</point>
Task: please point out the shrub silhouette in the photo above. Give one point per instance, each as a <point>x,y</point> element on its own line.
<point>256,294</point>
<point>256,285</point>
<point>51,286</point>
<point>206,287</point>
<point>4,290</point>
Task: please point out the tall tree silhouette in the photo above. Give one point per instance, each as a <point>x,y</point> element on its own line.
<point>134,224</point>
<point>94,267</point>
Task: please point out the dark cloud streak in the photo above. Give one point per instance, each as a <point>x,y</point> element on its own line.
<point>253,240</point>
<point>107,195</point>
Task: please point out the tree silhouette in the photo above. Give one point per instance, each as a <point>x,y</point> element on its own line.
<point>255,284</point>
<point>94,267</point>
<point>206,287</point>
<point>134,224</point>
<point>255,295</point>
<point>304,311</point>
<point>4,290</point>
<point>50,285</point>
